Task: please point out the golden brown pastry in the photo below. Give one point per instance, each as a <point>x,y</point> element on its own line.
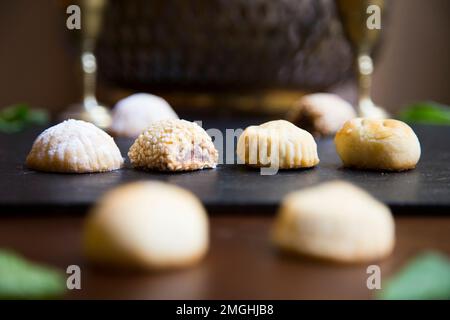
<point>173,145</point>
<point>378,144</point>
<point>321,114</point>
<point>147,225</point>
<point>74,146</point>
<point>277,142</point>
<point>335,221</point>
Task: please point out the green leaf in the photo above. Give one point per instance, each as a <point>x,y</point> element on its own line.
<point>425,277</point>
<point>20,279</point>
<point>427,113</point>
<point>17,117</point>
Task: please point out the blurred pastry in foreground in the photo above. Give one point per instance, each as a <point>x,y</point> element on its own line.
<point>335,221</point>
<point>134,114</point>
<point>146,225</point>
<point>74,146</point>
<point>278,143</point>
<point>173,145</point>
<point>378,144</point>
<point>322,114</point>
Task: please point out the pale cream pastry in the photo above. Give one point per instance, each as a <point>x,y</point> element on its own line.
<point>146,225</point>
<point>133,114</point>
<point>277,143</point>
<point>173,145</point>
<point>378,144</point>
<point>321,114</point>
<point>74,146</point>
<point>334,221</point>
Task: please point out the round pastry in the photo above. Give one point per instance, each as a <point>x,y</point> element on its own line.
<point>278,143</point>
<point>173,145</point>
<point>134,114</point>
<point>335,221</point>
<point>74,146</point>
<point>378,145</point>
<point>321,114</point>
<point>147,225</point>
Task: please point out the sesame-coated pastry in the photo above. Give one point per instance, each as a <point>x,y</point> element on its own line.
<point>173,145</point>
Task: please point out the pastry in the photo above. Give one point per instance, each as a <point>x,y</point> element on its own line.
<point>146,225</point>
<point>173,145</point>
<point>335,221</point>
<point>278,143</point>
<point>134,114</point>
<point>377,144</point>
<point>74,146</point>
<point>322,114</point>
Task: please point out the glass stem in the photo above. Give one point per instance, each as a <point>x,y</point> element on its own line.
<point>365,70</point>
<point>89,66</point>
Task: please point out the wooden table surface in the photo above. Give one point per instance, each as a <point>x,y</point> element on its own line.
<point>241,263</point>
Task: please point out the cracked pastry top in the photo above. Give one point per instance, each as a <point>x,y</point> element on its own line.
<point>378,144</point>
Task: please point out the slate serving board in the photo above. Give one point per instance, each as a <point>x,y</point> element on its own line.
<point>229,188</point>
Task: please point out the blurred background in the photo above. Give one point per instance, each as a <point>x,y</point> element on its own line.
<point>219,59</point>
<point>39,61</point>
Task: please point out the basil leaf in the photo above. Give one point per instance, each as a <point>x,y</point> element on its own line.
<point>427,113</point>
<point>20,279</point>
<point>17,117</point>
<point>426,277</point>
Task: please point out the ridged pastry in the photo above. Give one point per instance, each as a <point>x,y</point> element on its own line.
<point>134,114</point>
<point>335,221</point>
<point>277,143</point>
<point>146,225</point>
<point>378,145</point>
<point>74,146</point>
<point>321,114</point>
<point>173,145</point>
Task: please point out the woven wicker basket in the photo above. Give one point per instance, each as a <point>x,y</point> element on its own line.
<point>224,46</point>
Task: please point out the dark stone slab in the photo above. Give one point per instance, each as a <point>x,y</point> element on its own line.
<point>229,188</point>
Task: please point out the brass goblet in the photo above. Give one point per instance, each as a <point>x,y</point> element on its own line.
<point>363,39</point>
<point>89,109</point>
